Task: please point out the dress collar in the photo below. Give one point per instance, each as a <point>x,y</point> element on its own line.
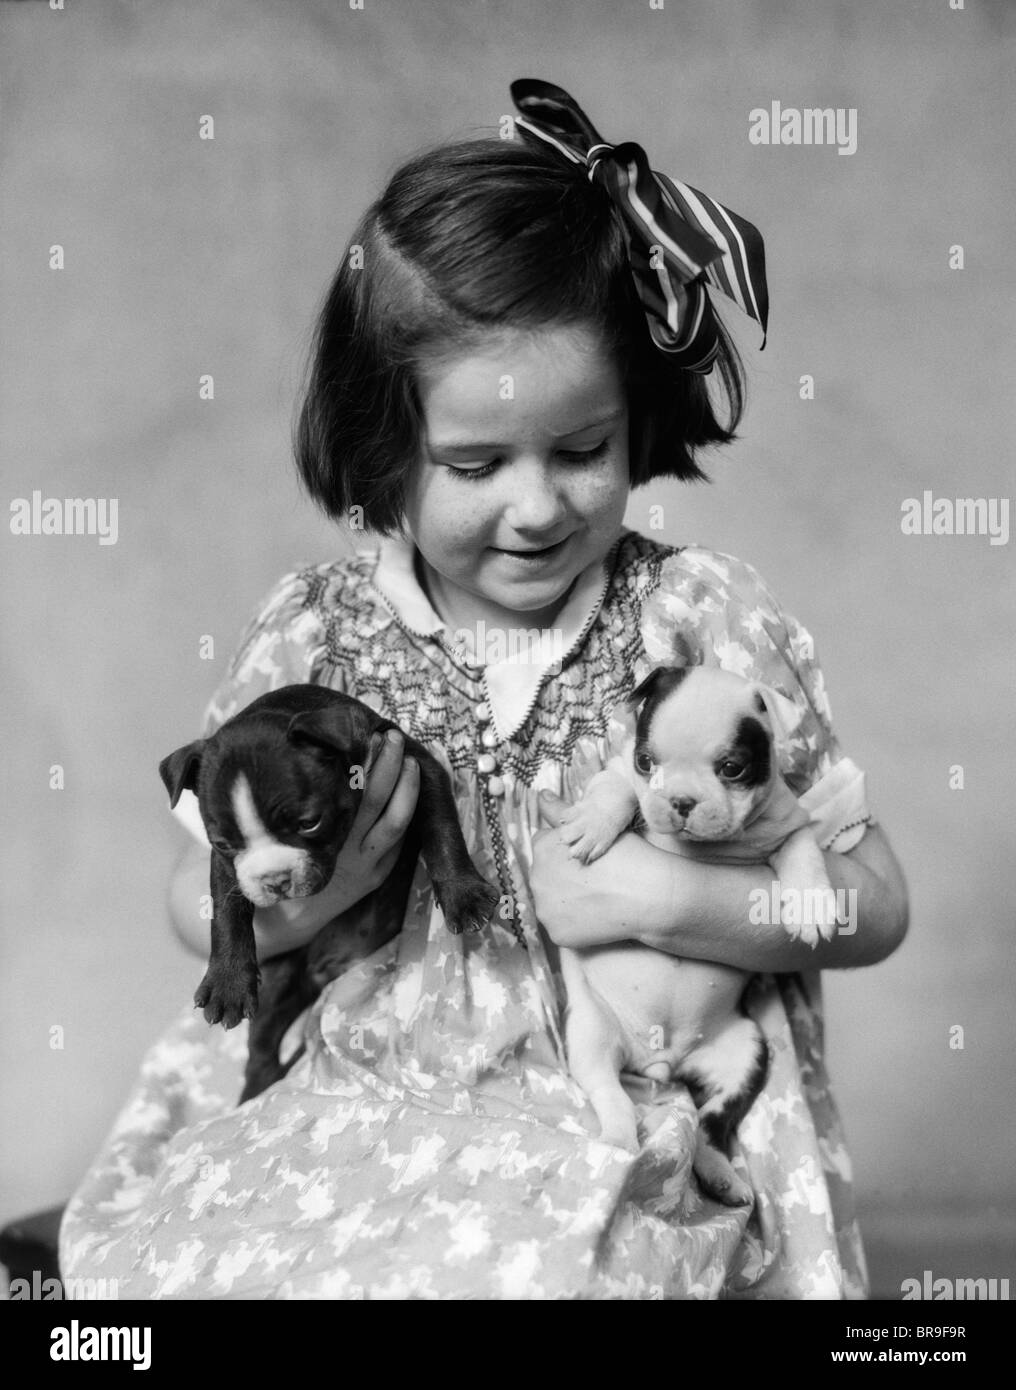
<point>512,683</point>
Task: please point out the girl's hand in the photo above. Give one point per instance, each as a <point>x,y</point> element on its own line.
<point>639,893</point>
<point>365,860</point>
<point>579,904</point>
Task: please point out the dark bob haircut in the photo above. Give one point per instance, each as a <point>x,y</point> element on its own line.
<point>471,237</point>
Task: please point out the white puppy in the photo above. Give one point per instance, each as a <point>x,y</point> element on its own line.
<point>703,770</point>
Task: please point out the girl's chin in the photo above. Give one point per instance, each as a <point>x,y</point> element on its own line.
<point>532,602</point>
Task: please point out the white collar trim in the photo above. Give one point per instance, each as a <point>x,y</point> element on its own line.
<point>511,684</point>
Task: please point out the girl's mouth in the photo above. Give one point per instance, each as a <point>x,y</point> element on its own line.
<point>531,557</point>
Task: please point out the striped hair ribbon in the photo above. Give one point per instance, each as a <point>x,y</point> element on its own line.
<point>679,240</point>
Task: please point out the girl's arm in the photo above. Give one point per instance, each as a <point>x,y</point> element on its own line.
<point>640,893</point>
<point>365,861</point>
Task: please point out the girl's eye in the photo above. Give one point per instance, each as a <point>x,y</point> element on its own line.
<point>309,827</point>
<point>480,472</point>
<point>585,455</point>
<point>569,456</point>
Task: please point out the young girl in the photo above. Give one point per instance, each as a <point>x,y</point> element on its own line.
<point>499,361</point>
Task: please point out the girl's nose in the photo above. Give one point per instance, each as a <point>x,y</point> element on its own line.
<point>535,499</point>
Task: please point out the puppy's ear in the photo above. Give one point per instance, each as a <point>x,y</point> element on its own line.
<point>684,653</point>
<point>665,679</point>
<point>658,684</point>
<point>179,772</point>
<point>784,715</point>
<point>336,728</point>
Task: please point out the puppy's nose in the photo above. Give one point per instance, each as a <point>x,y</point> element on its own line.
<point>277,883</point>
<point>683,804</point>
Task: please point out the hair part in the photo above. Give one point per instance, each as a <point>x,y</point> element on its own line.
<point>468,239</point>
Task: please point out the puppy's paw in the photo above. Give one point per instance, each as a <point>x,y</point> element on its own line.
<point>809,914</point>
<point>802,931</point>
<point>615,1112</point>
<point>589,830</point>
<point>827,914</point>
<point>731,1191</point>
<point>717,1178</point>
<point>619,1139</point>
<point>620,1133</point>
<point>228,994</point>
<point>468,904</point>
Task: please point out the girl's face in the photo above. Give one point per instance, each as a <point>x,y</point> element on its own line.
<point>522,479</point>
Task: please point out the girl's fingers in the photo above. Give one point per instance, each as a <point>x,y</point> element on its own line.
<point>386,863</point>
<point>382,779</point>
<point>402,802</point>
<point>392,824</point>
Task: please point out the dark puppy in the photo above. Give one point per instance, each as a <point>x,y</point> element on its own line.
<point>278,787</point>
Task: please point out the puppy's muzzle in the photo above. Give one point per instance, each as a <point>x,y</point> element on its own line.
<point>669,812</point>
<point>280,884</point>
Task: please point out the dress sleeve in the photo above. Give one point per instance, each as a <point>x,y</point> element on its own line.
<point>723,607</point>
<point>282,644</point>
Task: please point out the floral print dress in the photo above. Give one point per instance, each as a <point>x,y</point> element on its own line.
<point>430,1142</point>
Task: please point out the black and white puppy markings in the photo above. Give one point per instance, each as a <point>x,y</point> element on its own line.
<point>703,770</point>
<point>278,786</point>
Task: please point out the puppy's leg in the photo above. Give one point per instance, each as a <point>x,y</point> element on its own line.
<point>466,898</point>
<point>593,824</point>
<point>291,982</point>
<point>229,990</point>
<point>596,1054</point>
<point>724,1076</point>
<point>368,924</point>
<point>286,990</point>
<point>807,899</point>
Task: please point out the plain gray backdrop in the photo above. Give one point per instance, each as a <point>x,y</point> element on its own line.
<point>185,257</point>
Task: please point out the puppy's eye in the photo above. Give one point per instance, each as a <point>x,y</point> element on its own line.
<point>643,762</point>
<point>223,847</point>
<point>731,770</point>
<point>310,827</point>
